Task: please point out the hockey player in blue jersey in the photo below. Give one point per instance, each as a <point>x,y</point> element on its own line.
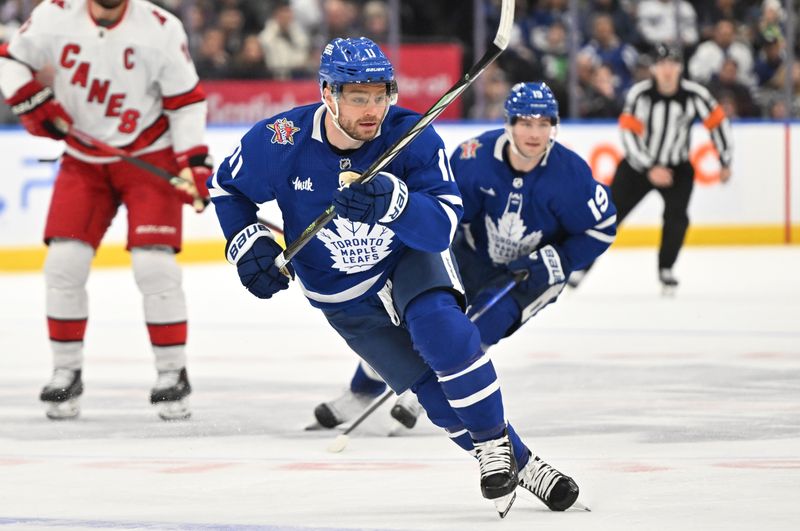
<point>381,272</point>
<point>530,205</point>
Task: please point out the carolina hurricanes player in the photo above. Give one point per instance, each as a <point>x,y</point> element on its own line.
<point>122,73</point>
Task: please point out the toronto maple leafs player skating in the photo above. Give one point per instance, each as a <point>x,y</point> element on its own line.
<point>530,205</point>
<point>381,272</point>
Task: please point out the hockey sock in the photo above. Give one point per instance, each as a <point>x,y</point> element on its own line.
<point>66,271</point>
<point>430,395</point>
<point>366,381</point>
<point>450,344</point>
<point>496,322</point>
<point>158,277</point>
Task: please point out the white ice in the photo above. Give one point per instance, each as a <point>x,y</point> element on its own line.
<point>671,413</point>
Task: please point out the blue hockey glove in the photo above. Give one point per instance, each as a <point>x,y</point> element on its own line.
<point>381,200</point>
<point>253,251</point>
<point>544,267</point>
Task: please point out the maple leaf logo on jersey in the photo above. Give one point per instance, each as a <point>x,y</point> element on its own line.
<point>469,149</point>
<point>283,131</point>
<point>506,238</point>
<point>355,246</point>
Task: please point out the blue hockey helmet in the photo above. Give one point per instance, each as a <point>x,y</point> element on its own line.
<point>355,60</point>
<point>531,99</point>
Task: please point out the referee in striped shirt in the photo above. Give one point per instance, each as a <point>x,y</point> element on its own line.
<point>656,122</point>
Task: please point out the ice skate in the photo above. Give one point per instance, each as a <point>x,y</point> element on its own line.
<point>669,284</point>
<point>170,393</point>
<point>498,472</point>
<point>554,489</point>
<point>406,409</point>
<point>62,394</point>
<point>349,405</point>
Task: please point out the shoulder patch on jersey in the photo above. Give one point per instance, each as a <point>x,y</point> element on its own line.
<point>283,131</point>
<point>59,3</point>
<point>469,149</point>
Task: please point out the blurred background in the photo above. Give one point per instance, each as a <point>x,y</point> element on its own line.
<point>258,57</point>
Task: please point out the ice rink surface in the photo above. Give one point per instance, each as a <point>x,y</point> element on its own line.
<point>675,413</point>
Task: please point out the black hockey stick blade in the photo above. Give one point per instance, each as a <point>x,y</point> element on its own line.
<point>498,45</point>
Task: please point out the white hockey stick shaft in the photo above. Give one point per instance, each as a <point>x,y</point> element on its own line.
<point>499,44</point>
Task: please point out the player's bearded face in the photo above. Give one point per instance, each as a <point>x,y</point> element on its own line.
<point>109,4</point>
<point>362,109</point>
<point>532,135</point>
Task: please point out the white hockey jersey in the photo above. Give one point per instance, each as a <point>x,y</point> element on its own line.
<point>132,85</point>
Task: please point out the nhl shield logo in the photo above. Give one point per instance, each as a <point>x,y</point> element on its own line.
<point>517,182</point>
<point>344,164</point>
<point>283,131</point>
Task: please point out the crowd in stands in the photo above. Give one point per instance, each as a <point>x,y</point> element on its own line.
<point>736,48</point>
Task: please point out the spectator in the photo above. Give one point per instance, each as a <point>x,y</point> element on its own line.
<point>375,15</point>
<point>771,56</point>
<point>340,19</point>
<point>709,56</point>
<point>231,22</point>
<point>250,62</point>
<point>709,13</point>
<point>212,61</point>
<point>623,24</point>
<point>600,100</point>
<point>286,46</point>
<point>727,88</point>
<point>554,55</point>
<point>607,48</point>
<point>494,87</point>
<point>656,20</point>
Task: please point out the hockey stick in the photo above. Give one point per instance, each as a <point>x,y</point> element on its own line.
<point>499,44</point>
<point>342,439</point>
<point>174,180</point>
<point>199,203</point>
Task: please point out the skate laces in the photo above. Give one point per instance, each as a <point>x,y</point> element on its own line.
<point>61,379</point>
<point>493,456</point>
<point>167,379</point>
<point>539,477</point>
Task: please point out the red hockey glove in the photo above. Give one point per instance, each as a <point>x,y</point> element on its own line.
<point>38,110</point>
<point>196,167</point>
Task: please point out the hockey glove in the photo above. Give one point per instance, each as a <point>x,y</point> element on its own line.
<point>253,251</point>
<point>196,167</point>
<point>39,112</point>
<point>381,200</point>
<point>544,267</point>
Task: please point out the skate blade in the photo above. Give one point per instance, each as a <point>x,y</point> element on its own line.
<point>66,410</point>
<point>316,426</point>
<point>579,506</point>
<point>504,503</point>
<point>668,291</point>
<point>176,410</point>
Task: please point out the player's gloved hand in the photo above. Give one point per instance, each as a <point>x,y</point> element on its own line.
<point>382,199</point>
<point>39,112</point>
<point>196,167</point>
<point>544,267</point>
<point>253,251</point>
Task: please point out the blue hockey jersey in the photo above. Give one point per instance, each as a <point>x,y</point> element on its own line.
<point>288,158</point>
<point>509,214</point>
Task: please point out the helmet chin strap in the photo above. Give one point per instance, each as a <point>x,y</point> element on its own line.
<point>335,118</point>
<point>518,153</point>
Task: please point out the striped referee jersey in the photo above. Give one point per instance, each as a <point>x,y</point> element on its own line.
<point>656,128</point>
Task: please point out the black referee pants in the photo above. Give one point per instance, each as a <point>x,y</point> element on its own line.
<point>629,188</point>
